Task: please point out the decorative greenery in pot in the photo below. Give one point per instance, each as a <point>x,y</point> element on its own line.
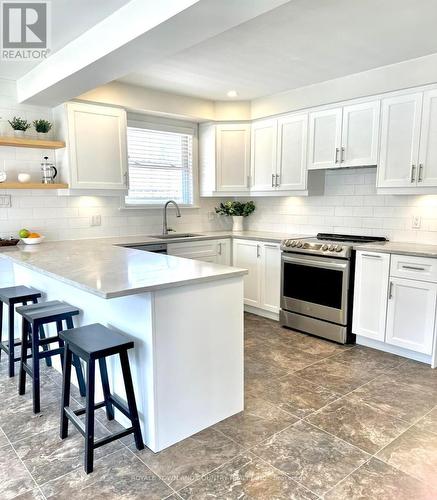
<point>237,210</point>
<point>42,126</point>
<point>19,125</point>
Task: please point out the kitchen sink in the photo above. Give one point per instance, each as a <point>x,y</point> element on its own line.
<point>171,236</point>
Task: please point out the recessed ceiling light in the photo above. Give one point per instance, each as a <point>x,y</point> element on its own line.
<point>232,93</point>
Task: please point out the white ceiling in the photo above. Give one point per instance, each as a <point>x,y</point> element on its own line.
<point>70,18</point>
<point>300,43</point>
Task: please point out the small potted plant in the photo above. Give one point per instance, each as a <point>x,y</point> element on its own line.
<point>19,125</point>
<point>237,210</point>
<point>42,127</point>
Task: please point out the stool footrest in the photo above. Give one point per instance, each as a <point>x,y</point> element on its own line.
<point>75,420</point>
<point>113,437</point>
<point>82,411</point>
<point>48,340</point>
<point>119,404</point>
<point>50,353</point>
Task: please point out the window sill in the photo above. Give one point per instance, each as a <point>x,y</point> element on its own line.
<point>156,207</point>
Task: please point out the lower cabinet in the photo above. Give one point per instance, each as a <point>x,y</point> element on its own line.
<point>217,251</point>
<point>411,314</point>
<point>370,294</point>
<point>263,282</point>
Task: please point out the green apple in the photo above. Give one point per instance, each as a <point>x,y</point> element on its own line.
<point>23,233</point>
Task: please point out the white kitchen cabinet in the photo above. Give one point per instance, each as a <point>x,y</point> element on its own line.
<point>411,314</point>
<point>370,294</point>
<point>217,251</point>
<point>360,133</point>
<point>263,281</point>
<point>95,156</point>
<point>427,167</point>
<point>224,158</point>
<point>324,139</point>
<point>400,134</point>
<point>291,172</point>
<point>263,157</point>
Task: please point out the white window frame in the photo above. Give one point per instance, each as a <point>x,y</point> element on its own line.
<point>168,125</point>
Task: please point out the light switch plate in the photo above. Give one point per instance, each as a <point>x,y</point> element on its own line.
<point>5,201</point>
<point>416,222</point>
<point>96,220</point>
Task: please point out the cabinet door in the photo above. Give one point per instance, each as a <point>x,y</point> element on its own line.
<point>246,254</point>
<point>324,139</point>
<point>263,172</point>
<point>233,157</point>
<point>97,146</point>
<point>292,152</point>
<point>400,132</point>
<point>411,314</point>
<point>370,294</point>
<point>427,173</point>
<point>270,277</point>
<point>224,252</point>
<point>360,134</point>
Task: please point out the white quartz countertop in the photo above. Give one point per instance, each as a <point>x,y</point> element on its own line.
<point>416,249</point>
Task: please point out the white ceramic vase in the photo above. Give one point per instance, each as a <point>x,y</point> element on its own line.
<point>237,223</point>
<point>19,133</point>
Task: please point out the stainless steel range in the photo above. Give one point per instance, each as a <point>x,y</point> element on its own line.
<point>317,284</point>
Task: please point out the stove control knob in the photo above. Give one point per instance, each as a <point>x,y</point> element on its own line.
<point>299,244</point>
<point>286,243</point>
<point>324,247</point>
<point>338,248</point>
<point>331,248</point>
<point>293,243</point>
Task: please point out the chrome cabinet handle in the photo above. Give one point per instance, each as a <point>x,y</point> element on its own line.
<point>126,180</point>
<point>374,256</point>
<point>248,181</point>
<point>342,155</point>
<point>420,177</point>
<point>219,248</point>
<point>337,150</point>
<point>258,250</point>
<point>278,177</point>
<point>273,180</point>
<point>414,268</point>
<point>413,173</point>
<point>390,290</point>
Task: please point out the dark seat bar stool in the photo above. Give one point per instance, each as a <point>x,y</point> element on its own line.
<point>35,316</point>
<point>91,343</point>
<point>12,296</point>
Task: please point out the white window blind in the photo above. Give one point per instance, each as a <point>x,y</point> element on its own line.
<point>160,166</point>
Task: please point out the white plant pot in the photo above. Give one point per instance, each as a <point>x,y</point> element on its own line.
<point>19,133</point>
<point>237,223</point>
<point>42,135</point>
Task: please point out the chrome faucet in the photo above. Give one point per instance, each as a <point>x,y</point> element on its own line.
<point>165,228</point>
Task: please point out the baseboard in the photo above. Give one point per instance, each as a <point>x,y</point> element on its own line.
<point>261,312</point>
<point>392,349</point>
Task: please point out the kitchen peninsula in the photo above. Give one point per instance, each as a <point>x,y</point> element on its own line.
<point>185,316</point>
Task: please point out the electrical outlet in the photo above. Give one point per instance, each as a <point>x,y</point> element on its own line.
<point>416,222</point>
<point>5,201</point>
<point>96,220</point>
<point>211,215</point>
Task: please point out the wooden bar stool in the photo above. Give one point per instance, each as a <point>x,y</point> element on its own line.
<point>34,317</point>
<point>91,343</point>
<point>12,296</point>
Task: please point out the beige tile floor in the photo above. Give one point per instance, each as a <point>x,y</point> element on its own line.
<point>321,421</point>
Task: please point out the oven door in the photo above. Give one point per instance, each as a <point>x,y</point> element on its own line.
<point>315,286</point>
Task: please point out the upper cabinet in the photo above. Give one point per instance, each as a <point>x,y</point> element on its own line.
<point>344,137</point>
<point>96,152</point>
<point>408,159</point>
<point>264,154</point>
<point>224,157</point>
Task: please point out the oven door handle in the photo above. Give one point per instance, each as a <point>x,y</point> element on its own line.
<point>322,263</point>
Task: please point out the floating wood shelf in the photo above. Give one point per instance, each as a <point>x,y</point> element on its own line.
<point>31,185</point>
<point>19,142</point>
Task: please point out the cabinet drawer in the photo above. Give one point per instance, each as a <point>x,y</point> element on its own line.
<point>415,268</point>
<point>200,250</point>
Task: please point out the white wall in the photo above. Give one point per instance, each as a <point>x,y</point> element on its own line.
<point>349,205</point>
<point>62,217</point>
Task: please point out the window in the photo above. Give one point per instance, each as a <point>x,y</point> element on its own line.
<point>160,164</point>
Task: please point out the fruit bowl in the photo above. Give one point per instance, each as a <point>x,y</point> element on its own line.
<point>32,241</point>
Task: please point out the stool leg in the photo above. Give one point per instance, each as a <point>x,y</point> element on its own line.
<point>77,365</point>
<point>89,417</point>
<point>11,354</point>
<point>66,386</point>
<point>1,327</point>
<point>35,368</point>
<point>61,342</point>
<point>23,357</point>
<point>130,396</point>
<point>106,389</point>
<point>43,336</point>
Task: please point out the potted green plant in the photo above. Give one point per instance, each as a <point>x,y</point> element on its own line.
<point>237,210</point>
<point>19,125</point>
<point>42,127</point>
